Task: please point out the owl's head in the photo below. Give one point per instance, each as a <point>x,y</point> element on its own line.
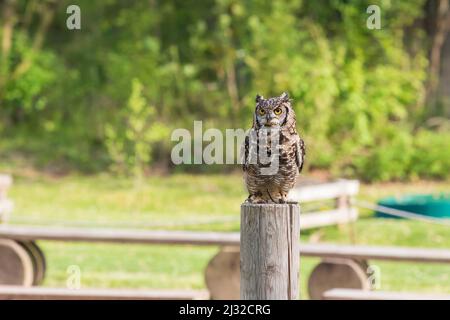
<point>275,112</point>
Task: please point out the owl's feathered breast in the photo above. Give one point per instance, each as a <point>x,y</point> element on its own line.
<point>291,152</point>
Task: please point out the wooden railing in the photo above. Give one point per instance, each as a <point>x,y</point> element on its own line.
<point>340,191</point>
<point>343,264</point>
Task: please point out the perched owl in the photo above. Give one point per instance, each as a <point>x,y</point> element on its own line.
<point>275,138</point>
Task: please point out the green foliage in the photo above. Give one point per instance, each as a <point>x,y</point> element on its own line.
<point>130,140</point>
<point>431,156</point>
<point>28,94</point>
<point>358,93</point>
<point>400,155</point>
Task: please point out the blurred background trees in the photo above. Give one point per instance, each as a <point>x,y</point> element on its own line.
<point>370,103</point>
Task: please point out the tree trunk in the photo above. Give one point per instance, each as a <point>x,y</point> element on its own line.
<point>439,31</point>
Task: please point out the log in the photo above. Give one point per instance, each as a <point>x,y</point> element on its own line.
<point>222,274</point>
<point>269,259</point>
<point>38,260</point>
<point>337,273</point>
<point>16,266</point>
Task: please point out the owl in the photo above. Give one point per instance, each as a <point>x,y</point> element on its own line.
<point>273,137</point>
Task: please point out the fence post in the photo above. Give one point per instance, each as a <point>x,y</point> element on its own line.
<point>270,251</point>
<point>6,205</point>
<point>5,183</point>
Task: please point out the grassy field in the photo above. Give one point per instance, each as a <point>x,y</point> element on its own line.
<point>206,202</point>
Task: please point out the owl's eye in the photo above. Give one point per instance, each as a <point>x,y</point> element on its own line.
<point>261,112</point>
<point>277,111</point>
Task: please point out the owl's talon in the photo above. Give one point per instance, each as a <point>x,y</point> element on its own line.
<point>255,199</point>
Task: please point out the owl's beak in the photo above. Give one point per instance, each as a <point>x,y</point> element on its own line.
<point>272,123</point>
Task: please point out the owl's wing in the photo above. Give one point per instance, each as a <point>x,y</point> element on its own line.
<point>244,153</point>
<point>300,154</point>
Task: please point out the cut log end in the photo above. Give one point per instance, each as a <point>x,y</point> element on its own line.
<point>16,264</point>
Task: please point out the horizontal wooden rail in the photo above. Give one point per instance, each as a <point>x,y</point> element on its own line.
<point>321,191</point>
<point>40,293</point>
<point>308,220</point>
<point>327,218</point>
<point>376,253</point>
<point>119,236</point>
<point>354,294</point>
<point>221,239</point>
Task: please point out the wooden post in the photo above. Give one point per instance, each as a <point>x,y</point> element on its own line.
<point>343,205</point>
<point>270,251</point>
<point>6,205</point>
<point>5,183</point>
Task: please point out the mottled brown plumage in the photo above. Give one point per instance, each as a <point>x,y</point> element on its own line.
<point>269,180</point>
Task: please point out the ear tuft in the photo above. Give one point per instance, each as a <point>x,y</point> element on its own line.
<point>284,96</point>
<point>258,98</point>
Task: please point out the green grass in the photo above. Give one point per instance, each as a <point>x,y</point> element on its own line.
<point>101,199</point>
<point>134,266</point>
<point>180,202</point>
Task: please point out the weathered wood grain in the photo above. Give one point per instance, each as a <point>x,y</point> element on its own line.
<point>269,249</point>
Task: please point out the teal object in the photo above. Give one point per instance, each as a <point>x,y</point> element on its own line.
<point>437,206</point>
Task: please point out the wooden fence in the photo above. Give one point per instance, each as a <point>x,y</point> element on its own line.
<point>224,267</point>
<point>22,263</point>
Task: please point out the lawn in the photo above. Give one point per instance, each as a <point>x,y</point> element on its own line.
<point>197,202</point>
